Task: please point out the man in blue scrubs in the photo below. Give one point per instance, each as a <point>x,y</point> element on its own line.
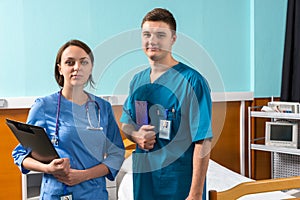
<point>168,115</point>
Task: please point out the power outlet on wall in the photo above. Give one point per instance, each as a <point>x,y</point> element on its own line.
<point>3,103</point>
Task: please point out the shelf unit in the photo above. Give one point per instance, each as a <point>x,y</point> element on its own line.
<point>253,112</point>
<point>275,149</point>
<point>31,183</point>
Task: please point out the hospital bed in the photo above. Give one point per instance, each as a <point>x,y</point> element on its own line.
<point>222,184</point>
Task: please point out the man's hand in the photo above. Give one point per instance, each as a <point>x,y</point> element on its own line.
<point>145,137</point>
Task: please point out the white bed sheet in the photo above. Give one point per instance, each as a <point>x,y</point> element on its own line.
<point>218,178</point>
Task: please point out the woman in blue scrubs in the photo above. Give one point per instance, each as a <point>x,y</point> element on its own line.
<point>82,128</point>
<point>168,115</point>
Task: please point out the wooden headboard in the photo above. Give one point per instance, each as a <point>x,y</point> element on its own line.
<point>253,187</point>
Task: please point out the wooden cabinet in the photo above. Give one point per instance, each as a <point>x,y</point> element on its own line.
<point>10,179</point>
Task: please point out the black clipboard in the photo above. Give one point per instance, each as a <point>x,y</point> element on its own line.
<point>34,138</point>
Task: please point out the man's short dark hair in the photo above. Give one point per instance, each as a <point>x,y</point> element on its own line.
<point>161,14</point>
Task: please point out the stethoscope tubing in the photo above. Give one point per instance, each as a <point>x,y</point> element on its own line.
<point>91,127</point>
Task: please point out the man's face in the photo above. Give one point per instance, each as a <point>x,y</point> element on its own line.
<point>157,39</point>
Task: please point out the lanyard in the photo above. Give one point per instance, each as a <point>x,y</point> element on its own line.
<point>54,138</point>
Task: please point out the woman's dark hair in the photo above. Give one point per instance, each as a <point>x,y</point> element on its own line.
<point>59,78</point>
<point>161,14</point>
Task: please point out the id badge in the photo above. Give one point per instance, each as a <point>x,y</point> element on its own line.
<point>165,129</point>
<point>54,140</point>
<point>66,197</point>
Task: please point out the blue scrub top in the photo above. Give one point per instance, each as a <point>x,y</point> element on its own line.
<point>182,96</point>
<point>85,148</point>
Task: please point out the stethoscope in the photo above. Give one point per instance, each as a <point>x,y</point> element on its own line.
<point>55,139</point>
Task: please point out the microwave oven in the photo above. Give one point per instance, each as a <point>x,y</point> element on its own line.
<point>282,134</point>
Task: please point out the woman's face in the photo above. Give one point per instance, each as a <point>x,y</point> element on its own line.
<point>75,66</point>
